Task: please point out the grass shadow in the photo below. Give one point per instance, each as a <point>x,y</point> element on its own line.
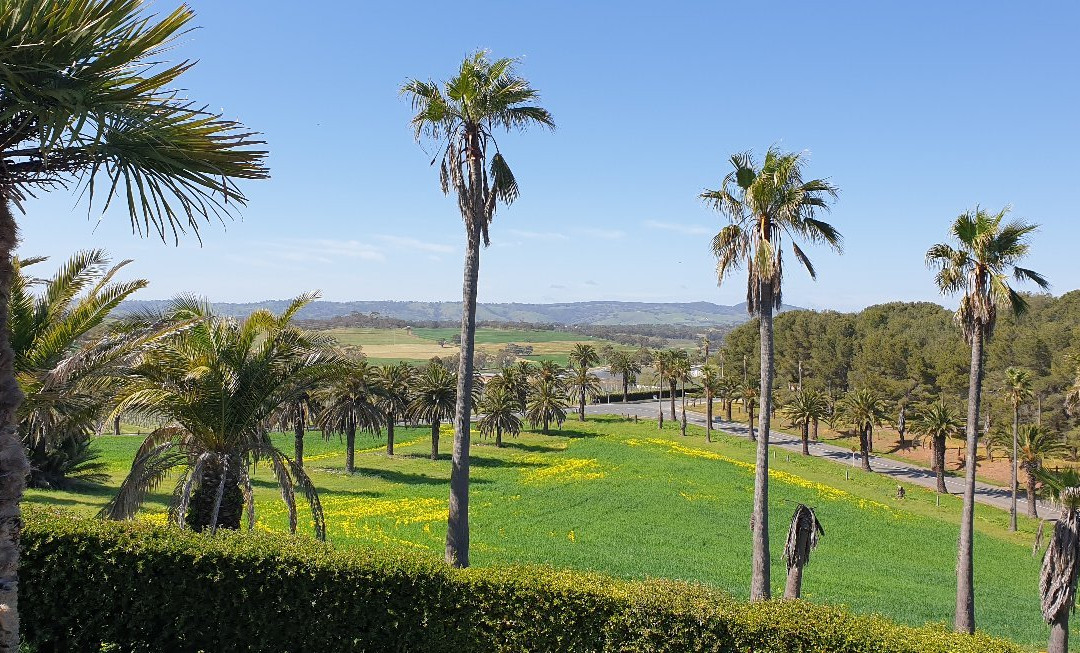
<point>495,463</point>
<point>533,448</point>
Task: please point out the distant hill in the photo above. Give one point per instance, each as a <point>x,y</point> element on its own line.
<point>570,313</point>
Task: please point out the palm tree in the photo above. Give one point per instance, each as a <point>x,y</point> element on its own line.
<point>352,401</point>
<point>499,409</point>
<point>433,399</point>
<point>517,377</point>
<point>669,366</point>
<point>296,415</point>
<point>396,383</point>
<point>765,204</point>
<point>986,254</point>
<point>68,377</point>
<point>583,386</point>
<point>802,410</point>
<point>1018,389</point>
<point>116,128</point>
<point>547,403</point>
<point>1061,560</point>
<point>802,538</point>
<point>728,392</point>
<point>938,421</point>
<point>863,410</point>
<point>462,116</point>
<point>712,382</point>
<point>749,395</point>
<point>1035,445</point>
<point>217,386</point>
<point>681,372</point>
<point>624,365</point>
<point>583,355</point>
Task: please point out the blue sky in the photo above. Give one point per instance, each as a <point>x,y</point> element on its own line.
<point>917,111</point>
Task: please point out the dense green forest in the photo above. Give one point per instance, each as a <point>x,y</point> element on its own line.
<point>912,353</point>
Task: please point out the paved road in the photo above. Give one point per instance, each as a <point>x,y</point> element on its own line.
<point>903,472</point>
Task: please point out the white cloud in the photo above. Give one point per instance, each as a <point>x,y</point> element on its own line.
<point>606,234</point>
<point>414,244</point>
<point>318,250</point>
<point>687,229</point>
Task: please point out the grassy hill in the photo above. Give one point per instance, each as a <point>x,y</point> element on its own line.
<point>596,313</point>
<point>622,498</point>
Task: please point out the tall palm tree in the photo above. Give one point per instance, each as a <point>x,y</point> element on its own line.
<point>117,129</point>
<point>67,376</point>
<point>986,254</point>
<point>582,386</point>
<point>765,204</point>
<point>624,365</point>
<point>863,410</point>
<point>712,383</point>
<point>682,372</point>
<point>547,403</point>
<point>352,401</point>
<point>1018,389</point>
<point>938,421</point>
<point>670,364</point>
<point>517,377</point>
<point>1035,445</point>
<point>433,399</point>
<point>217,386</point>
<point>499,412</point>
<point>396,383</point>
<point>462,116</point>
<point>1061,560</point>
<point>802,539</point>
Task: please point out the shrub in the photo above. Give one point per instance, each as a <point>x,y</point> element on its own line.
<point>126,586</point>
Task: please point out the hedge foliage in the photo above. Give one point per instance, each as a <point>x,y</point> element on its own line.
<point>89,585</point>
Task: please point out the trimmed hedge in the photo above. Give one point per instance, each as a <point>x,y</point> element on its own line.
<point>88,585</point>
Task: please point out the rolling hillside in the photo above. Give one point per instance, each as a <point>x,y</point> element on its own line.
<point>592,313</point>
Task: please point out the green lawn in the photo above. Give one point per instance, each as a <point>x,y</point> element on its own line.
<point>622,498</point>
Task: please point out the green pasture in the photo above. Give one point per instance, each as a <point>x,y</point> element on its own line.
<point>621,497</point>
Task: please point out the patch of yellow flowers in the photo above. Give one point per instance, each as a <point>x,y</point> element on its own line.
<point>567,470</point>
<point>825,491</point>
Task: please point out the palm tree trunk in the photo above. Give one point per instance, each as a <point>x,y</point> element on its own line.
<point>760,587</point>
<point>205,498</point>
<point>815,429</point>
<point>806,438</point>
<point>298,436</point>
<point>750,421</point>
<point>965,585</point>
<point>1013,484</point>
<point>727,409</point>
<point>1059,634</point>
<point>625,388</point>
<point>673,387</point>
<point>13,464</point>
<point>581,405</point>
<point>864,448</point>
<point>350,448</point>
<point>708,416</point>
<point>498,436</point>
<point>1032,508</point>
<point>389,433</point>
<point>547,423</point>
<point>435,439</point>
<point>116,425</point>
<point>474,213</point>
<point>939,463</point>
<point>793,589</point>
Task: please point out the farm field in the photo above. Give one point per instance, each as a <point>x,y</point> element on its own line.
<point>392,345</point>
<point>623,498</point>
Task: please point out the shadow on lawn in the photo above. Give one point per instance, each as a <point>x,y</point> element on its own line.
<point>404,478</point>
<point>533,448</point>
